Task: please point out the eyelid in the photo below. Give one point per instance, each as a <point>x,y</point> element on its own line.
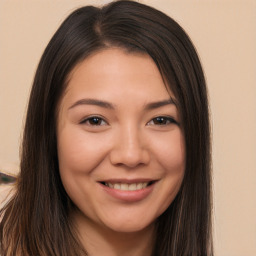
<point>170,119</point>
<point>84,120</point>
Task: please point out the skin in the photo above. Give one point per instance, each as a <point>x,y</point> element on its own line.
<point>120,140</point>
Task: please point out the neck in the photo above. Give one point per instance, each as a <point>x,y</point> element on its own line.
<point>99,240</point>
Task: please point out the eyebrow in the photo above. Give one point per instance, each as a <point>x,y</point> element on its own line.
<point>105,104</point>
<point>95,102</point>
<point>159,104</point>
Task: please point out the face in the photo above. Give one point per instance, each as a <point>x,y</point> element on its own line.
<point>120,143</point>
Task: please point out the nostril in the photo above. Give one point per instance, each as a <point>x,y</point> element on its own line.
<point>130,158</point>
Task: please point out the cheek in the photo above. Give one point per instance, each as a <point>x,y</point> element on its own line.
<point>171,152</point>
<point>78,153</point>
<point>171,157</point>
<point>78,156</point>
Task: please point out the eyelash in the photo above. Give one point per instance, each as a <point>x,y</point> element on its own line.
<point>162,121</point>
<point>94,119</point>
<point>159,120</point>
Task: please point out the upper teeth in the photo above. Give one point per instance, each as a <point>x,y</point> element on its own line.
<point>125,186</point>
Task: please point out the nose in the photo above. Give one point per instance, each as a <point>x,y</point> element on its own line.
<point>129,148</point>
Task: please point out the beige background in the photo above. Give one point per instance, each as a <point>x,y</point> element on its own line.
<point>224,33</point>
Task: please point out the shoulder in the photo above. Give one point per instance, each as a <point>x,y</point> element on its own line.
<point>7,186</point>
<point>6,191</point>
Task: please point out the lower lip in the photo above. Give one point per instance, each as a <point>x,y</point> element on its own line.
<point>128,195</point>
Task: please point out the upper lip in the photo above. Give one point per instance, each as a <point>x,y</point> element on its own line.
<point>128,181</point>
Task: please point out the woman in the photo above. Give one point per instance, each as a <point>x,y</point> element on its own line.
<point>116,147</point>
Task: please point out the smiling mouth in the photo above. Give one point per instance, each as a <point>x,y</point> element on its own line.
<point>128,186</point>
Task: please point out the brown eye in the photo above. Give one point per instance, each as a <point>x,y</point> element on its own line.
<point>162,120</point>
<point>94,121</point>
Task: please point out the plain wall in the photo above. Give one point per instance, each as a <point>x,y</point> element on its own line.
<point>224,33</point>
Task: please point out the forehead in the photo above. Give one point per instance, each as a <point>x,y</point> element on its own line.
<point>114,72</point>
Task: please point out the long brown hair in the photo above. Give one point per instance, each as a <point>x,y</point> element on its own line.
<point>36,221</point>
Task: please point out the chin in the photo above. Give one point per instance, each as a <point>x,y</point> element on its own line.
<point>129,226</point>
